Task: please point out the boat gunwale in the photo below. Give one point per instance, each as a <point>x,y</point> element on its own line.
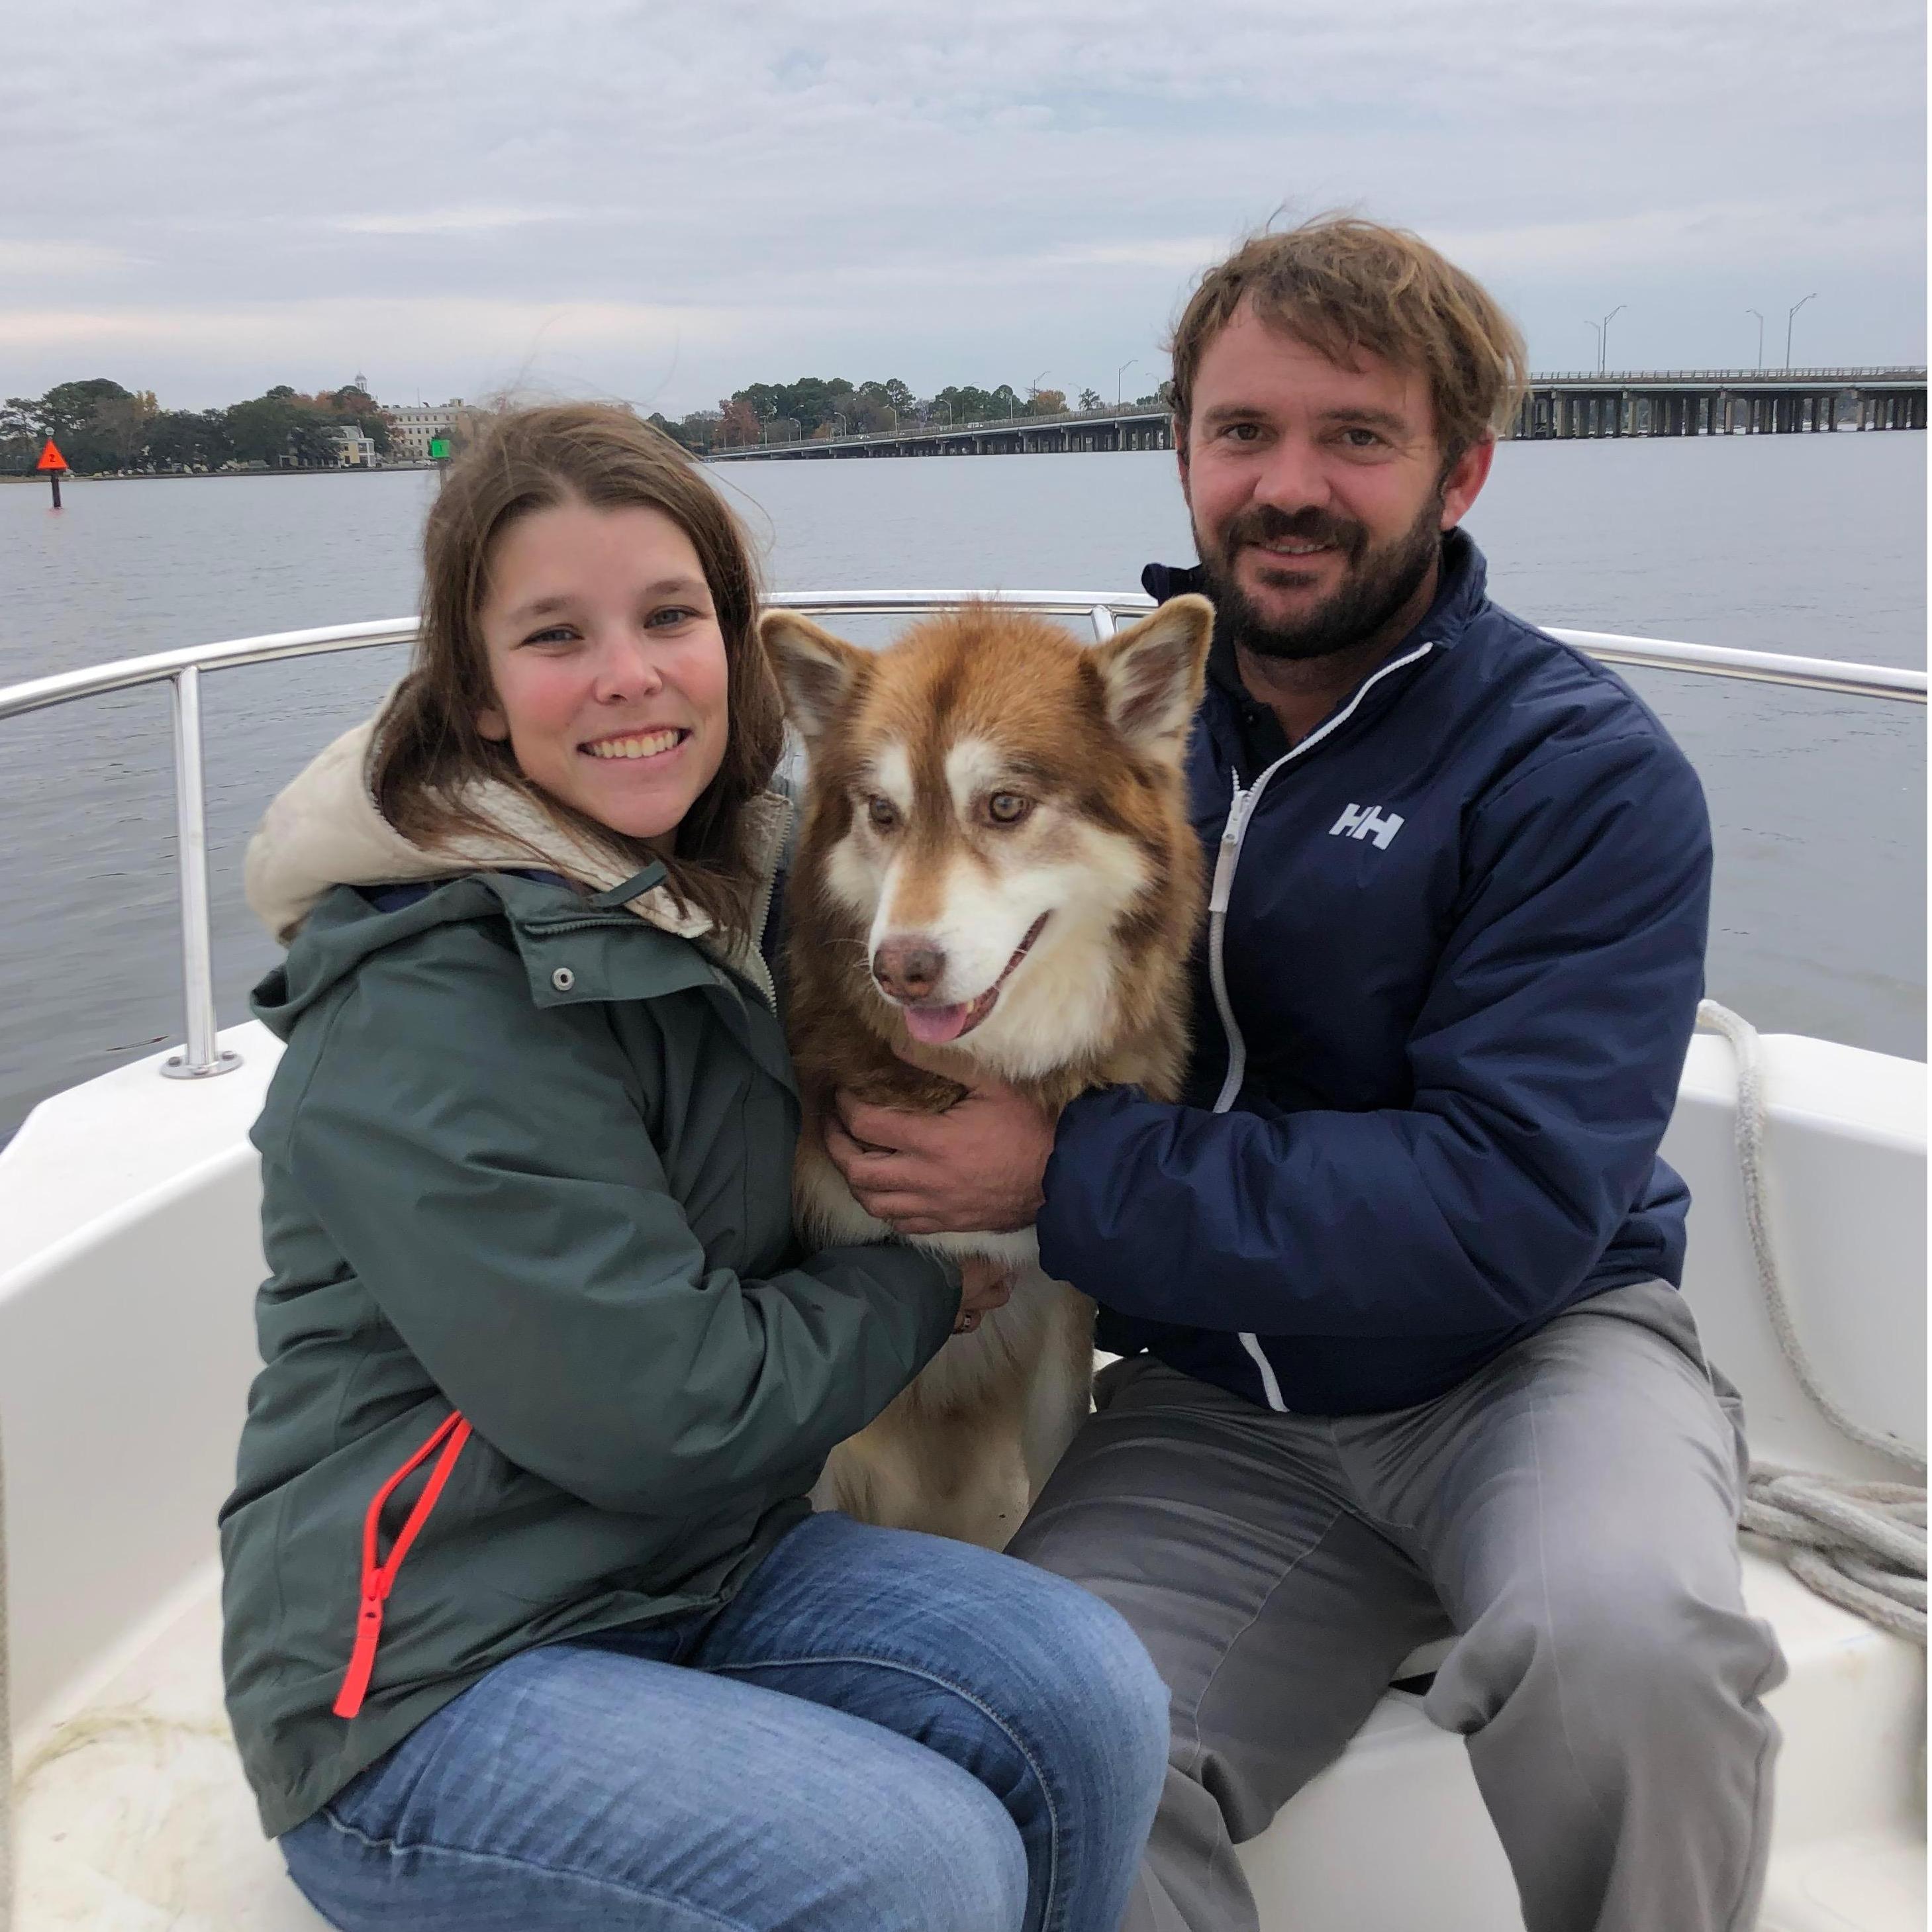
<point>202,1058</point>
<point>1099,607</point>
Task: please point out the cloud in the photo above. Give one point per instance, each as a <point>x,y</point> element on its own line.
<point>1179,253</point>
<point>469,326</point>
<point>1699,236</point>
<point>58,260</point>
<point>947,192</point>
<point>453,220</point>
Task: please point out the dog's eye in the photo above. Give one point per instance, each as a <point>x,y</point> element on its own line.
<point>882,812</point>
<point>1008,808</point>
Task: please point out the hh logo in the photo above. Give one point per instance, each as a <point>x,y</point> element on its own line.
<point>1366,821</point>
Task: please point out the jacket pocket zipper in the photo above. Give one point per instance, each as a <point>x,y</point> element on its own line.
<point>378,1580</point>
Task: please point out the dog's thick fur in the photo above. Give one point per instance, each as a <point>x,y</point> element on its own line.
<point>903,840</point>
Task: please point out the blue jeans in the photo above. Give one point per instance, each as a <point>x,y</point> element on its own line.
<point>881,1733</point>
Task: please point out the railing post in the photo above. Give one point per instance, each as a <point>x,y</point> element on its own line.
<point>202,1056</point>
<point>1101,619</point>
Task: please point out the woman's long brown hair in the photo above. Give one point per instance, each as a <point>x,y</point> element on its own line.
<point>431,749</point>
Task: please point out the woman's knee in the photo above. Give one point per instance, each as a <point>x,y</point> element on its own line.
<point>1089,1677</point>
<point>941,1854</point>
<point>908,1840</point>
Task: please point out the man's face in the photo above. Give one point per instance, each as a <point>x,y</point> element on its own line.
<point>1317,491</point>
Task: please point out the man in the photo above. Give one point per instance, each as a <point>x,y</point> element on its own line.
<point>1396,1287</point>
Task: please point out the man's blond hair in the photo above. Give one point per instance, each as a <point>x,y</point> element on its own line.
<point>1343,284</point>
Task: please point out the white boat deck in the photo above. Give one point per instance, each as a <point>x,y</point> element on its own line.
<point>133,1815</point>
<point>126,1348</point>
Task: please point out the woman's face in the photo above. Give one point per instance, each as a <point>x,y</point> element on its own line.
<point>608,664</point>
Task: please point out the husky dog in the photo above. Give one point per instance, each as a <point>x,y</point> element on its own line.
<point>995,874</point>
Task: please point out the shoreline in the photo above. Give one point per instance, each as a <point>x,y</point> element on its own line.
<point>68,476</point>
<point>40,477</point>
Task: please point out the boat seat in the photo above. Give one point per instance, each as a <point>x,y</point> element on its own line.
<point>135,1817</point>
<point>1394,1835</point>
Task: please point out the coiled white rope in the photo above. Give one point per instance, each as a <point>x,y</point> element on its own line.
<point>6,1735</point>
<point>1860,1544</point>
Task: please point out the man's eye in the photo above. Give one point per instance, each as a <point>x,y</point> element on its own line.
<point>1360,439</point>
<point>883,813</point>
<point>1007,808</point>
<point>1243,432</point>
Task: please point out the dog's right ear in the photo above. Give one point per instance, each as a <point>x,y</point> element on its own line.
<point>1153,674</point>
<point>817,672</point>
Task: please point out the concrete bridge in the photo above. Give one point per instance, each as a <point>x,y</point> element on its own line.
<point>1683,402</point>
<point>1719,402</point>
<point>1132,427</point>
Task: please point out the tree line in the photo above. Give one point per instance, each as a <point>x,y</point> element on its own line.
<point>100,427</point>
<point>815,408</point>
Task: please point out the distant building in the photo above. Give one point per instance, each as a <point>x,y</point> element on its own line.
<point>355,449</point>
<point>414,426</point>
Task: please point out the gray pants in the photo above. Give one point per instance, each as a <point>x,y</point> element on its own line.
<point>1569,1513</point>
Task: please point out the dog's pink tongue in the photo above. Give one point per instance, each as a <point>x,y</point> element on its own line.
<point>934,1026</point>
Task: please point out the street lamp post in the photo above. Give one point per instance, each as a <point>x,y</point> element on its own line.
<point>1118,374</point>
<point>1603,336</point>
<point>1789,316</point>
<point>1599,328</point>
<point>1032,387</point>
<point>1760,336</point>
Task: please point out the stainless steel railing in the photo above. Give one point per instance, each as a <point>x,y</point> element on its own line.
<point>203,1055</point>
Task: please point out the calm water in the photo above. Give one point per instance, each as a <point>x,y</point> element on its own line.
<point>1810,544</point>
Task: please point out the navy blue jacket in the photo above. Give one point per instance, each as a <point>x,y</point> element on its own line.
<point>1464,947</point>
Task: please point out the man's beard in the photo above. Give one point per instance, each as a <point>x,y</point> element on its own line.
<point>1375,584</point>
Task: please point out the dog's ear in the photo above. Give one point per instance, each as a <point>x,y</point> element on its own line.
<point>1153,673</point>
<point>817,672</point>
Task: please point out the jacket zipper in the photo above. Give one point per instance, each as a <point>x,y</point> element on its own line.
<point>1240,811</point>
<point>450,1434</point>
<point>613,921</point>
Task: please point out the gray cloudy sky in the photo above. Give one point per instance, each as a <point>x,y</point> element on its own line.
<point>666,201</point>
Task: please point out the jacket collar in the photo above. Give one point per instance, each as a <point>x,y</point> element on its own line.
<point>325,829</point>
<point>1460,596</point>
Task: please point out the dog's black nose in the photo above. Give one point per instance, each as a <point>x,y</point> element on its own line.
<point>908,969</point>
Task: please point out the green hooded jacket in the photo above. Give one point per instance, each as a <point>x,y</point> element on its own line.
<point>526,1156</point>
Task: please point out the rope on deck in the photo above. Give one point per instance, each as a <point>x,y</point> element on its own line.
<point>1861,1545</point>
<point>6,1735</point>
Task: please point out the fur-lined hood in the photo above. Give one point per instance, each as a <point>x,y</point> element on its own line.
<point>324,829</point>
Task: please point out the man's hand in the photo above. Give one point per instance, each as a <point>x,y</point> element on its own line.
<point>975,1168</point>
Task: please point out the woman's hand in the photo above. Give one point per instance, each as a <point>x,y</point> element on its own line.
<point>987,1285</point>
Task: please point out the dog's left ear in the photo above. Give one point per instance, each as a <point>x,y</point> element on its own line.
<point>1153,673</point>
<point>817,672</point>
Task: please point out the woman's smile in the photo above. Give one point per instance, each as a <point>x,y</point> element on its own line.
<point>648,744</point>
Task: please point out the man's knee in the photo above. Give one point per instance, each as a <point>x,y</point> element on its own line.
<point>1626,1657</point>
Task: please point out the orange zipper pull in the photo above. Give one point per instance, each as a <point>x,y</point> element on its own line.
<point>452,1433</point>
<point>362,1659</point>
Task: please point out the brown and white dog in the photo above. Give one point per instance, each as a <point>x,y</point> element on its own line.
<point>995,874</point>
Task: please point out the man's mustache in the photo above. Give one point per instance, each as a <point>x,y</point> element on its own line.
<point>1262,522</point>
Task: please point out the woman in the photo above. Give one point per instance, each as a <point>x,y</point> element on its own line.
<point>536,1324</point>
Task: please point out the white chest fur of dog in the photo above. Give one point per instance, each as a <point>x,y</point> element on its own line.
<point>996,876</point>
